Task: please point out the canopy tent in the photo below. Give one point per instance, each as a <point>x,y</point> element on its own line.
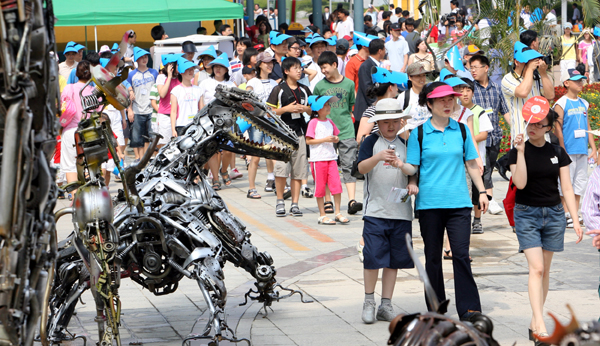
<point>112,12</point>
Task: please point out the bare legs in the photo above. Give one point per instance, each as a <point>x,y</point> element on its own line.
<point>539,261</point>
<point>388,281</point>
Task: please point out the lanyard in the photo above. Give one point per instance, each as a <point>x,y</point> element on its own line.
<point>578,113</point>
<point>461,114</point>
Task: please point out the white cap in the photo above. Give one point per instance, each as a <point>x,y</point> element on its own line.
<point>389,109</point>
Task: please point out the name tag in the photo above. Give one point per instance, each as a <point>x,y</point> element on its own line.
<point>554,160</point>
<point>579,133</point>
<point>144,92</point>
<point>296,116</point>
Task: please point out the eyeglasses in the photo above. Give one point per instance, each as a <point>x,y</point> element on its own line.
<point>473,68</point>
<point>295,48</point>
<point>538,125</point>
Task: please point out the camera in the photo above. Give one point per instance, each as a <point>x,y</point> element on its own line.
<point>548,59</point>
<point>448,19</point>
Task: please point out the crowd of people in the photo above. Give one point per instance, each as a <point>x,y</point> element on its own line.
<point>365,106</point>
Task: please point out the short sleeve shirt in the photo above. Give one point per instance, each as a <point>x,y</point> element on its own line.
<point>382,178</point>
<point>208,88</point>
<point>164,105</point>
<point>574,118</point>
<point>187,103</point>
<point>397,50</point>
<point>281,96</point>
<point>341,110</point>
<point>154,96</point>
<point>515,104</point>
<point>142,83</point>
<point>369,113</point>
<point>419,114</point>
<point>441,165</point>
<point>543,170</point>
<point>261,87</point>
<point>318,129</point>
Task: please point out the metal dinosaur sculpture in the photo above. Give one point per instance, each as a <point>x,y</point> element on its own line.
<point>28,193</point>
<point>179,226</point>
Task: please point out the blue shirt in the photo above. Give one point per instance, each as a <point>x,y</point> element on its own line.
<point>442,182</point>
<point>73,77</point>
<point>574,118</point>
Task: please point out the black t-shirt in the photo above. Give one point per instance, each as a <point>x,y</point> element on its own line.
<point>277,73</point>
<point>281,96</point>
<point>543,169</point>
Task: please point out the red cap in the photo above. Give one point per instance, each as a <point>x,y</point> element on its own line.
<point>347,37</point>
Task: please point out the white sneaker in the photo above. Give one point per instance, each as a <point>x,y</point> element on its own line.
<point>360,248</point>
<point>494,208</point>
<point>385,313</point>
<point>368,313</point>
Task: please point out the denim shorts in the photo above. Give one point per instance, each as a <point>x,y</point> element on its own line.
<point>257,136</point>
<point>540,227</point>
<point>140,131</point>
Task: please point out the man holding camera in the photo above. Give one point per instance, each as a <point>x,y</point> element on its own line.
<point>524,83</point>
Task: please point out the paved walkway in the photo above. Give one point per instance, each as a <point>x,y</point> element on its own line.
<point>322,262</point>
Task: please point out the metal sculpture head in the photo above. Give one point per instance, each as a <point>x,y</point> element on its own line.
<point>219,119</point>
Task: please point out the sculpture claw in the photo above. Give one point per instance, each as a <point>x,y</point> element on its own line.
<point>560,330</point>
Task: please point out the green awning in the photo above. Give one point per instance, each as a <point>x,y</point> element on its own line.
<point>113,12</point>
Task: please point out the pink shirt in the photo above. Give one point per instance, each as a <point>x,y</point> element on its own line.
<point>164,107</point>
<point>318,129</point>
<point>583,46</point>
<point>72,91</point>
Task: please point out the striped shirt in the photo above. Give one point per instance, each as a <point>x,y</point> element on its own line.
<point>590,207</point>
<point>515,104</point>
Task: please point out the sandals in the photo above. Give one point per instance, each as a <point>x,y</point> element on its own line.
<point>447,255</point>
<point>280,210</point>
<point>253,194</point>
<point>354,207</point>
<point>341,219</point>
<point>216,185</point>
<point>226,178</point>
<point>325,220</point>
<point>328,207</point>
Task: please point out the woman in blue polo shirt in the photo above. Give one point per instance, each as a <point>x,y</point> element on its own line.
<point>447,148</point>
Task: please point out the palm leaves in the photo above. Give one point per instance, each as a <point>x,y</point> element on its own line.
<point>591,12</point>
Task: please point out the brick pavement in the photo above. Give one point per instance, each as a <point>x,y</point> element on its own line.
<point>322,262</point>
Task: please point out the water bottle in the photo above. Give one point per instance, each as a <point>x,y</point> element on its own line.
<point>591,162</point>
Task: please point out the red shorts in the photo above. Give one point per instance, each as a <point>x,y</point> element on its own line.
<point>325,173</point>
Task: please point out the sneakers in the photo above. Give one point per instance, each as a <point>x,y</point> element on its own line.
<point>235,174</point>
<point>307,192</point>
<point>495,208</point>
<point>360,248</point>
<point>270,186</point>
<point>385,313</point>
<point>368,313</point>
<point>477,228</point>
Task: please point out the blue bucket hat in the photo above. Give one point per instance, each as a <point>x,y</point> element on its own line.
<point>362,39</point>
<point>71,47</point>
<point>332,40</point>
<point>184,64</point>
<point>537,15</point>
<point>384,76</point>
<point>169,58</point>
<point>276,38</point>
<point>222,60</point>
<point>138,53</point>
<point>79,47</point>
<point>354,47</point>
<point>210,51</point>
<point>316,38</point>
<point>104,62</point>
<point>596,31</point>
<point>317,103</point>
<point>115,48</point>
<point>524,54</point>
<point>455,81</point>
<point>445,73</point>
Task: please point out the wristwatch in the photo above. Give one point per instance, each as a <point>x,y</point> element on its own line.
<point>482,192</point>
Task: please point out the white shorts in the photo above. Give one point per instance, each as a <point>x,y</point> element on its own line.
<point>68,152</point>
<point>120,136</point>
<point>579,177</point>
<point>60,175</point>
<point>566,65</point>
<point>109,165</point>
<point>163,127</point>
<point>154,123</point>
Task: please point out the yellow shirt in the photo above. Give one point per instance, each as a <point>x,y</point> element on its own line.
<point>571,54</point>
<point>62,82</point>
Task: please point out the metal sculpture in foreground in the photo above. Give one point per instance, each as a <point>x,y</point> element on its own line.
<point>179,226</point>
<point>28,193</point>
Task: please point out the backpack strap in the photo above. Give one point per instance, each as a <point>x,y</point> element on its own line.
<point>420,138</point>
<point>463,132</point>
<point>407,100</point>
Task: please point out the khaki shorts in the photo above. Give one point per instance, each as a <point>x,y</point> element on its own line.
<point>297,166</point>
